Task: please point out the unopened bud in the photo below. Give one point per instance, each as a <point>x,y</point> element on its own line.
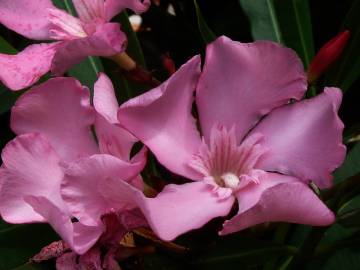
<point>327,55</point>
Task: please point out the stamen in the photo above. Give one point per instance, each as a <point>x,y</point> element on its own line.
<point>225,165</point>
<point>230,180</point>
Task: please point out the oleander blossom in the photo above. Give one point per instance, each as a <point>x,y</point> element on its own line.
<point>55,162</point>
<point>260,144</point>
<point>92,34</point>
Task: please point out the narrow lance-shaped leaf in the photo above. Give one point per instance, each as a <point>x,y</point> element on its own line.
<point>283,21</point>
<point>347,70</point>
<point>205,31</point>
<point>351,165</point>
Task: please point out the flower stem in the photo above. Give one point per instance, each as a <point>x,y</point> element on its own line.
<point>134,72</point>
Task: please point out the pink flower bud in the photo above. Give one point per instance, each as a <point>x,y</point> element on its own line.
<point>327,55</point>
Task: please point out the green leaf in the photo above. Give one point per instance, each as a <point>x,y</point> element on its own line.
<point>87,71</point>
<point>5,47</point>
<point>205,31</point>
<point>347,70</point>
<point>159,261</point>
<point>7,97</point>
<point>263,20</point>
<point>35,266</point>
<point>65,4</point>
<point>283,21</point>
<point>236,250</point>
<point>350,219</point>
<point>351,165</point>
<point>344,259</point>
<point>18,243</point>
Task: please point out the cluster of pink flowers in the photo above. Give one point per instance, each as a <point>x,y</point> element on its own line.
<point>254,144</point>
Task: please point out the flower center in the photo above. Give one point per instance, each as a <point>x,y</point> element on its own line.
<point>230,180</point>
<point>227,165</point>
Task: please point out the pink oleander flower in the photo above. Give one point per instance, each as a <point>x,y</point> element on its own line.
<point>55,161</point>
<point>89,35</point>
<point>259,144</point>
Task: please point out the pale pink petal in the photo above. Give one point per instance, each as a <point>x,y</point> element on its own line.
<point>90,186</point>
<point>2,175</point>
<point>78,236</point>
<point>241,82</point>
<point>132,219</point>
<point>26,17</point>
<point>113,139</point>
<point>162,120</point>
<point>305,139</point>
<point>278,198</point>
<point>180,208</point>
<point>90,10</point>
<point>58,109</point>
<point>108,40</point>
<point>25,68</point>
<point>105,101</point>
<point>30,167</point>
<point>114,7</point>
<point>64,26</point>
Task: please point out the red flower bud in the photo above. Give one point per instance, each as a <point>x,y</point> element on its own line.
<point>327,55</point>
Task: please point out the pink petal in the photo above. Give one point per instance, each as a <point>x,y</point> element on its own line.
<point>78,236</point>
<point>67,262</point>
<point>113,7</point>
<point>91,260</point>
<point>108,40</point>
<point>65,26</point>
<point>89,10</point>
<point>113,139</point>
<point>25,68</point>
<point>162,120</point>
<point>243,81</point>
<point>305,138</point>
<point>181,208</point>
<point>30,167</point>
<point>90,186</point>
<point>278,198</point>
<point>105,101</point>
<point>118,224</point>
<point>60,110</point>
<point>110,263</point>
<point>26,17</point>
